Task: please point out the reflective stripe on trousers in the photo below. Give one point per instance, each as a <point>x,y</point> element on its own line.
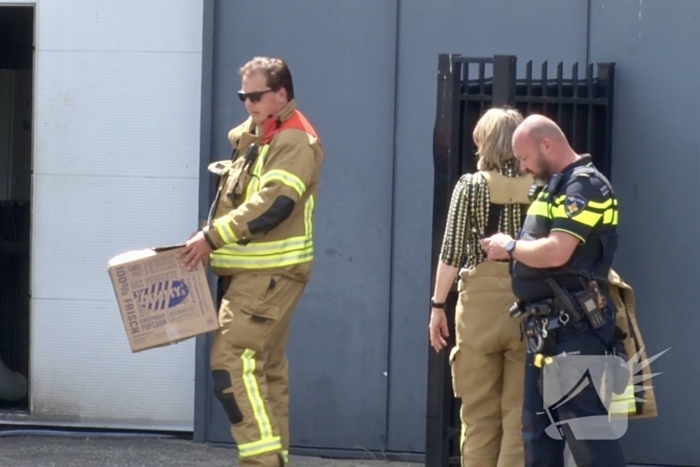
<point>254,317</point>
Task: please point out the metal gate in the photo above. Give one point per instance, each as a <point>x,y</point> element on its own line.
<point>467,87</point>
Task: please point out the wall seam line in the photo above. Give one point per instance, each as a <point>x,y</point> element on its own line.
<point>392,228</point>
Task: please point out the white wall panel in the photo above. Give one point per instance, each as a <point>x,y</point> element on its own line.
<point>114,388</point>
<point>116,159</point>
<point>93,218</point>
<point>121,25</point>
<point>130,113</point>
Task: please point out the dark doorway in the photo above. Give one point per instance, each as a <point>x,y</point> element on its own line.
<point>16,89</point>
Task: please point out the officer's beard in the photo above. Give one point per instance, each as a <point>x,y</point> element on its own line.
<point>544,169</point>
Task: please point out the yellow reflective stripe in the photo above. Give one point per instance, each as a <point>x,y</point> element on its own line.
<point>594,204</point>
<point>308,216</point>
<point>223,227</point>
<point>254,184</point>
<point>260,262</point>
<point>539,208</point>
<point>624,403</point>
<point>601,206</point>
<point>266,248</point>
<point>277,253</point>
<point>254,397</point>
<point>285,456</point>
<point>610,216</point>
<point>584,217</point>
<point>288,178</point>
<point>558,211</point>
<point>260,447</point>
<point>622,407</point>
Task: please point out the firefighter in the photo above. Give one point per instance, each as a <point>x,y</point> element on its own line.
<point>488,360</point>
<point>259,241</point>
<point>560,266</point>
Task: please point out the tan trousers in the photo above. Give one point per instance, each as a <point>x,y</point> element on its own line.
<point>488,369</point>
<point>249,366</point>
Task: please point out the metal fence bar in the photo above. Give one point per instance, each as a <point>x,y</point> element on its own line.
<point>504,75</point>
<point>575,106</point>
<point>460,59</point>
<point>482,85</point>
<point>606,75</point>
<point>589,122</point>
<point>545,86</point>
<point>560,89</point>
<point>445,160</point>
<point>557,101</point>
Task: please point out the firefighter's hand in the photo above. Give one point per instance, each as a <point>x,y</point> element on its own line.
<point>196,249</point>
<point>495,246</point>
<point>438,329</point>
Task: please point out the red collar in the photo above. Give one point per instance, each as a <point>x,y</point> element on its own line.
<point>270,127</point>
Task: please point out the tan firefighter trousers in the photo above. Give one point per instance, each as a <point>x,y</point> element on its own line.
<point>249,366</point>
<point>488,365</point>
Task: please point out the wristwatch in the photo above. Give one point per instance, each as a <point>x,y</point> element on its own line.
<point>510,247</point>
<point>436,305</point>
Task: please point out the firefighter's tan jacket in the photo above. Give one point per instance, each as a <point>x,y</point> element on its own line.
<point>262,217</point>
<point>633,404</point>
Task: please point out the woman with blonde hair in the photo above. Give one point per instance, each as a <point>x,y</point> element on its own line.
<point>488,360</point>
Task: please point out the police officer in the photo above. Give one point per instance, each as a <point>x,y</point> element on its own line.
<point>560,264</point>
<point>259,238</point>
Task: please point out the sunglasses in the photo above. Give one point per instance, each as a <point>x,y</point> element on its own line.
<point>253,96</point>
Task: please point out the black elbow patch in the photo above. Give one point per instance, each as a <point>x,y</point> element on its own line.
<point>222,382</point>
<point>280,210</point>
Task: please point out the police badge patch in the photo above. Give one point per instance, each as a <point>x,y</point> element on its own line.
<point>573,204</point>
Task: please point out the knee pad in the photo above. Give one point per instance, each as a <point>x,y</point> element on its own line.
<point>222,382</point>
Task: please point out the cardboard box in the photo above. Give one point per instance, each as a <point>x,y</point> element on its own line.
<point>161,303</point>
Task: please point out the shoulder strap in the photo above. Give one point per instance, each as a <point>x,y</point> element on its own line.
<point>590,171</point>
<point>504,191</point>
<point>507,190</point>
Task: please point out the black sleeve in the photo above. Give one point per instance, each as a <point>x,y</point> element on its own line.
<point>581,205</point>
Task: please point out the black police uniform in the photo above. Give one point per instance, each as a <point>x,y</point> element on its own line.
<point>580,202</point>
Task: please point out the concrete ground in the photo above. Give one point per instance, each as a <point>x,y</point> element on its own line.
<point>86,451</point>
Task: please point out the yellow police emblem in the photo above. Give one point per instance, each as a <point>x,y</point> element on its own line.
<point>573,204</point>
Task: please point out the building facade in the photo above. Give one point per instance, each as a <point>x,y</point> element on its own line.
<point>133,99</point>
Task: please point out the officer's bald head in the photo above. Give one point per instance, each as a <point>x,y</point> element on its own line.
<point>541,147</point>
<point>537,128</point>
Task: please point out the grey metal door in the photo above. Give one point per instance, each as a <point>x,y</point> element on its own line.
<point>655,174</point>
<point>338,348</point>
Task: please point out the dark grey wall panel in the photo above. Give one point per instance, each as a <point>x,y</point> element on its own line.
<point>655,173</point>
<point>473,28</point>
<point>342,55</point>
